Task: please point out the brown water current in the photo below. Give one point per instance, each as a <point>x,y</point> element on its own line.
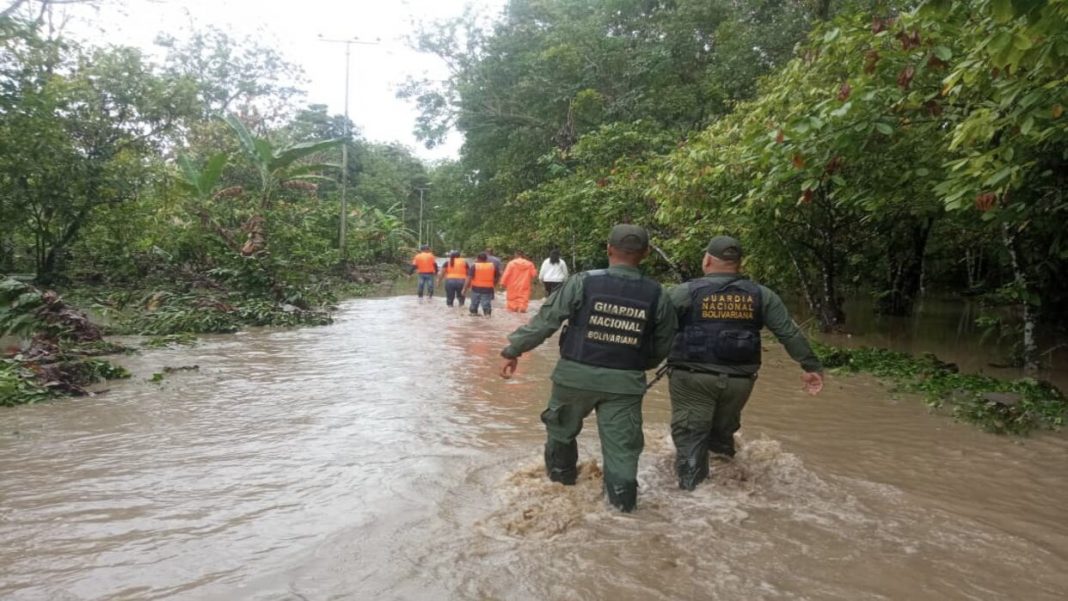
<point>382,458</point>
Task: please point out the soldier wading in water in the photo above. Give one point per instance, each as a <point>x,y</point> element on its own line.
<point>716,355</point>
<point>619,325</point>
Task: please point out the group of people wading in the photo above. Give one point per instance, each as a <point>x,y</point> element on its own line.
<point>478,279</point>
<point>620,324</point>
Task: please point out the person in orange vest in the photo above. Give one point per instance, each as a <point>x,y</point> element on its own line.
<point>455,277</point>
<point>518,276</point>
<point>482,276</point>
<point>427,265</point>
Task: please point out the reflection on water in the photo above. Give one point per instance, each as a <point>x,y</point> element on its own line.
<point>946,327</point>
<point>382,458</point>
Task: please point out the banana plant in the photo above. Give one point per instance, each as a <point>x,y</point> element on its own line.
<point>201,182</point>
<point>278,167</point>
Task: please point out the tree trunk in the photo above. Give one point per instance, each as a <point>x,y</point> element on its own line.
<point>1030,346</point>
<point>906,273</point>
<point>832,314</point>
<point>806,285</point>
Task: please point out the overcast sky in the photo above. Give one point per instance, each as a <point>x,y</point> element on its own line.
<point>293,27</point>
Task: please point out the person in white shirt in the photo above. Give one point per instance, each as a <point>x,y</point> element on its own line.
<point>553,272</point>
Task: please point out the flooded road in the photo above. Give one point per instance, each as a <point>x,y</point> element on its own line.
<point>382,458</point>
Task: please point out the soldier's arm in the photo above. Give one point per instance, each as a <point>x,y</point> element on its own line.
<point>667,322</point>
<point>777,319</point>
<point>554,311</point>
<point>680,298</point>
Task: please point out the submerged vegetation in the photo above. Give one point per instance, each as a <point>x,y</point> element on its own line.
<point>60,355</point>
<point>1000,406</point>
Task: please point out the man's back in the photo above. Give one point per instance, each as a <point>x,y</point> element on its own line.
<point>566,304</point>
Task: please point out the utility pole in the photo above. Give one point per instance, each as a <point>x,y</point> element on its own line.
<point>421,190</point>
<point>345,147</point>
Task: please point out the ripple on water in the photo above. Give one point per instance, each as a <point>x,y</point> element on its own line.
<point>381,457</point>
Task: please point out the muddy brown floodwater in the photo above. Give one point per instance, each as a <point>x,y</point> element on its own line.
<point>382,458</point>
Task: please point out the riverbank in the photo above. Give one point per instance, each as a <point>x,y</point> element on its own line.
<point>167,316</point>
<point>52,342</point>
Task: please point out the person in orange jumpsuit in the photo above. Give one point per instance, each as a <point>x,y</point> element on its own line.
<point>518,276</point>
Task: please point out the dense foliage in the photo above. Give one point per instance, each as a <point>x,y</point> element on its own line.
<point>880,148</point>
<point>189,193</point>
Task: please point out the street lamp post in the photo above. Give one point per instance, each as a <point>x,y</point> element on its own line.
<point>345,147</point>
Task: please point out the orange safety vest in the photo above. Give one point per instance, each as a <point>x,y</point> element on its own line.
<point>483,277</point>
<point>424,263</point>
<point>458,269</point>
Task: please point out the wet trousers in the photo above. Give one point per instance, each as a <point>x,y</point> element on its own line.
<point>706,411</point>
<point>619,423</point>
<point>454,289</point>
<point>426,280</point>
<point>481,298</point>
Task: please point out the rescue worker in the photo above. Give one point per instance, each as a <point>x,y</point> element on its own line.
<point>496,262</point>
<point>619,325</point>
<point>716,355</point>
<point>482,276</point>
<point>455,277</point>
<point>553,271</point>
<point>518,276</point>
<point>427,266</point>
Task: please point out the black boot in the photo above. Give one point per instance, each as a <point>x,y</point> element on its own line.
<point>561,462</point>
<point>621,495</point>
<point>691,457</point>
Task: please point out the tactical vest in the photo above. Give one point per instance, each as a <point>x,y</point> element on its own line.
<point>722,326</point>
<point>614,326</point>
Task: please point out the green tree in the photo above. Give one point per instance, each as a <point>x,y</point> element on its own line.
<point>78,126</point>
<point>277,167</point>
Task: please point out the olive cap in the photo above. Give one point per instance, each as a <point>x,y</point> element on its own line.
<point>629,237</point>
<point>725,248</point>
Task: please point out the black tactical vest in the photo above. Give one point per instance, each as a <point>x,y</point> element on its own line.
<point>723,324</point>
<point>614,326</point>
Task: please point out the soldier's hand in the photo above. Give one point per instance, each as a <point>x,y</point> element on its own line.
<point>813,382</point>
<point>508,367</point>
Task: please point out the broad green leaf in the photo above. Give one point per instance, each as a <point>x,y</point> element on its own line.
<point>189,170</point>
<point>1028,123</point>
<point>1002,10</point>
<point>842,110</point>
<point>997,177</point>
<point>244,136</point>
<point>884,128</point>
<point>212,171</point>
<point>290,154</point>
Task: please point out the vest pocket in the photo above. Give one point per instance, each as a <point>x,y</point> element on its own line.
<point>738,346</point>
<point>695,344</point>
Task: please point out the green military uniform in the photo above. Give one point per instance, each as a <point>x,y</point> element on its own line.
<point>580,387</point>
<point>707,397</point>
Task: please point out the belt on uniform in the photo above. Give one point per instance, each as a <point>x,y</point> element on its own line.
<point>712,372</point>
